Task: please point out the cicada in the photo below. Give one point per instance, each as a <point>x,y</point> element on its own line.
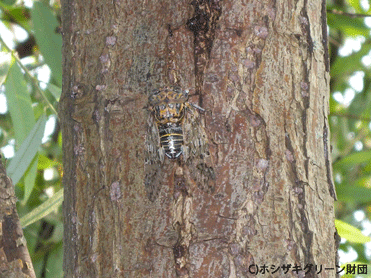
<point>175,132</point>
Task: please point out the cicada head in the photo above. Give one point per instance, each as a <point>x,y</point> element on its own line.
<point>168,105</point>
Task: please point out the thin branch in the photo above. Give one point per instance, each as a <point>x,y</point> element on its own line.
<point>33,79</point>
<point>350,116</point>
<point>334,42</point>
<point>352,15</point>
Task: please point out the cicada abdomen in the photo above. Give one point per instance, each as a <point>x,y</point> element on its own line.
<point>171,139</point>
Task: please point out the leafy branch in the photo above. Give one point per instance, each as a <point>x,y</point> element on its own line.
<point>33,79</point>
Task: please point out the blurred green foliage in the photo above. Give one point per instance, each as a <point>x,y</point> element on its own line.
<point>31,51</point>
<point>349,24</point>
<point>36,167</point>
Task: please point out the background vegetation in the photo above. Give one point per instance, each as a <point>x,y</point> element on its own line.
<point>30,138</point>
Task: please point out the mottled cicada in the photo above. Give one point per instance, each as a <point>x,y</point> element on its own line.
<point>175,132</point>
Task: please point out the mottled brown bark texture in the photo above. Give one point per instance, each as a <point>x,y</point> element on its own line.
<point>15,261</point>
<point>260,71</point>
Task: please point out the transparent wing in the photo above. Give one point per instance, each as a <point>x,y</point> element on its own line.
<point>154,174</point>
<point>196,151</point>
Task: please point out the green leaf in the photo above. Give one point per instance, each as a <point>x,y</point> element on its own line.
<point>43,210</point>
<point>24,156</point>
<point>58,229</point>
<point>356,5</point>
<point>54,264</point>
<point>45,162</point>
<point>364,181</point>
<point>39,265</point>
<point>354,158</point>
<point>48,40</point>
<point>350,232</point>
<point>351,27</point>
<point>19,103</point>
<point>343,67</point>
<point>29,179</point>
<point>347,192</point>
<point>5,60</point>
<point>16,14</point>
<point>8,2</point>
<point>54,90</point>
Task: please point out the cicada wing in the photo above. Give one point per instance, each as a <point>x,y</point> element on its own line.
<point>153,171</point>
<point>196,151</point>
<point>154,178</point>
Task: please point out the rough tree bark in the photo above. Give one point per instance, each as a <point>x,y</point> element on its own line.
<point>15,261</point>
<point>260,70</point>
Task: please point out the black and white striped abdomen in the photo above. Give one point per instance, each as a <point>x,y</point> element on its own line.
<point>171,139</point>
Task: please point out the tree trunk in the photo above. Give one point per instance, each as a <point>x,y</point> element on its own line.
<point>260,71</point>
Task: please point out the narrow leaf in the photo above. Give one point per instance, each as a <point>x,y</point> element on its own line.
<point>19,103</point>
<point>355,193</point>
<point>354,158</point>
<point>54,263</point>
<point>55,91</point>
<point>29,179</point>
<point>350,232</point>
<point>5,60</point>
<point>43,210</point>
<point>48,40</point>
<point>351,27</point>
<point>24,156</point>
